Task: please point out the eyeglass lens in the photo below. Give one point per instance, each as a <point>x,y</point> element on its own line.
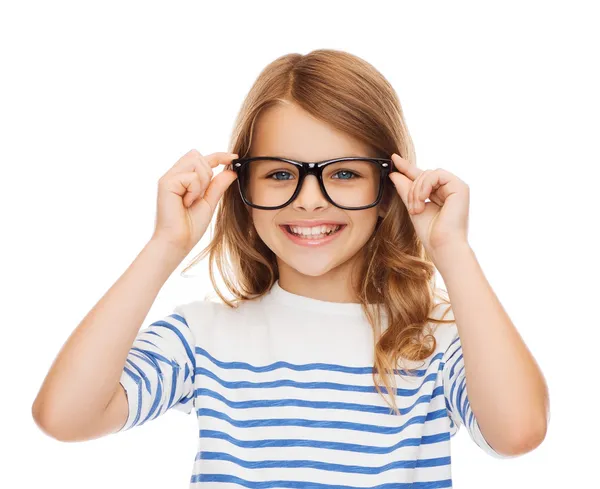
<point>272,183</point>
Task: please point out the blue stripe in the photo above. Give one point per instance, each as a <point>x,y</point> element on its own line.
<point>243,384</point>
<point>454,366</point>
<point>150,357</point>
<point>147,380</point>
<point>315,485</point>
<point>307,366</point>
<point>455,351</point>
<point>154,357</point>
<point>174,379</point>
<point>461,390</point>
<point>262,403</point>
<point>311,464</point>
<point>149,342</point>
<point>454,382</point>
<point>141,373</point>
<point>448,408</point>
<point>137,380</point>
<point>176,330</point>
<point>310,423</point>
<point>465,409</point>
<point>157,399</point>
<point>134,352</point>
<point>457,338</point>
<point>329,445</point>
<point>142,354</point>
<point>185,400</point>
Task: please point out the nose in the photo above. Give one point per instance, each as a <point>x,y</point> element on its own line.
<point>310,197</point>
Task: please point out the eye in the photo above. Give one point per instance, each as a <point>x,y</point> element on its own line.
<point>347,174</point>
<point>280,172</point>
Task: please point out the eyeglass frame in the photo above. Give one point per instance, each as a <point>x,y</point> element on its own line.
<point>314,168</point>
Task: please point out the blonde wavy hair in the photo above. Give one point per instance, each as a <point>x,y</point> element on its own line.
<point>351,95</point>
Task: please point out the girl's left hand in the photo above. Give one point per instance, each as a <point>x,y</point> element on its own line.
<point>443,222</point>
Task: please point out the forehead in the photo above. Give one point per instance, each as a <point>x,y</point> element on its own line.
<point>289,131</point>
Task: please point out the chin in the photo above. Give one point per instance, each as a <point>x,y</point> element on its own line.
<point>313,266</point>
<point>311,269</point>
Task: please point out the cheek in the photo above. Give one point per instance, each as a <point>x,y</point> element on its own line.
<point>263,223</point>
<point>364,223</point>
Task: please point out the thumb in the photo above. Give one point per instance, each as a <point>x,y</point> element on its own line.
<point>216,189</point>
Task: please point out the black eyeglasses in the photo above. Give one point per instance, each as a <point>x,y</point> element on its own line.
<point>351,183</point>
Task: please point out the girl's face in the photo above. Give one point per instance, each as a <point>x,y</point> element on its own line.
<point>290,132</point>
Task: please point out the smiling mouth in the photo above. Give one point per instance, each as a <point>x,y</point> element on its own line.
<point>323,233</point>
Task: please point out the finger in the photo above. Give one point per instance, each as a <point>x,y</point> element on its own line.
<point>187,163</point>
<point>411,193</point>
<point>411,198</point>
<point>220,158</point>
<point>187,185</point>
<point>216,189</point>
<point>445,183</point>
<point>204,168</point>
<point>430,186</point>
<point>404,178</point>
<point>193,157</point>
<point>405,167</point>
<point>402,184</point>
<point>417,196</point>
<point>203,181</point>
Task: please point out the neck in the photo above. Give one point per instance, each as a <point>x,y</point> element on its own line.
<point>333,286</point>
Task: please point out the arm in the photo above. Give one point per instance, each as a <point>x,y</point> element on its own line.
<point>507,391</point>
<point>82,384</point>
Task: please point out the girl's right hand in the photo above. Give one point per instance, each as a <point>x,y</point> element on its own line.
<point>188,196</point>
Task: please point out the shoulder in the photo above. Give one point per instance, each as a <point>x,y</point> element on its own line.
<point>200,308</point>
<point>210,313</point>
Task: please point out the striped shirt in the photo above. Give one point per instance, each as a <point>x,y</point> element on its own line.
<point>283,392</point>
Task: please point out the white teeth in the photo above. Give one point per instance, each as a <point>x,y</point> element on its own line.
<point>315,231</point>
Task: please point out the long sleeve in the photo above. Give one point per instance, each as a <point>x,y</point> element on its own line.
<point>160,369</point>
<point>457,400</point>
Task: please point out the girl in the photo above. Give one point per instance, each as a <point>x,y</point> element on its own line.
<point>328,241</point>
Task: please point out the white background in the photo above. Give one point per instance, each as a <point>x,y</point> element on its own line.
<point>99,99</point>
